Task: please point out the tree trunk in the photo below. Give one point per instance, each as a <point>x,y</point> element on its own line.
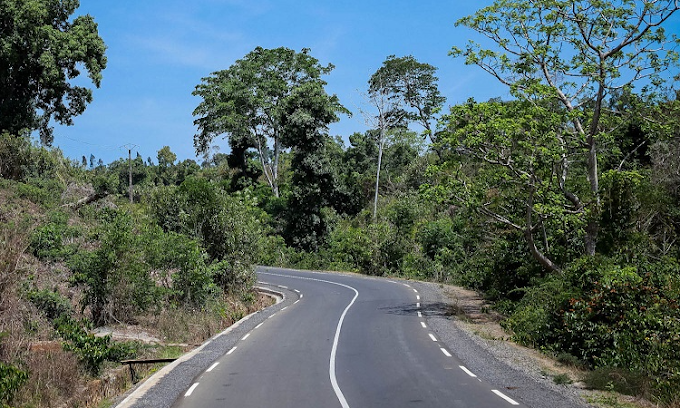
<point>377,176</point>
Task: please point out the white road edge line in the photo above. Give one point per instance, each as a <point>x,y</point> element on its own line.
<point>446,353</point>
<point>231,351</point>
<point>468,372</point>
<point>212,367</point>
<point>432,336</point>
<point>191,390</point>
<point>505,397</point>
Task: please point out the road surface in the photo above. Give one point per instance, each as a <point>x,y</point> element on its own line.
<point>342,341</point>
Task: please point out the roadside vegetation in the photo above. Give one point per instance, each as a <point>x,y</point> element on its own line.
<point>560,204</point>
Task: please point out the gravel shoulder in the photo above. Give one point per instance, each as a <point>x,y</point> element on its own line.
<point>465,323</point>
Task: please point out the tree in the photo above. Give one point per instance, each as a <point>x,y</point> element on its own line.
<point>41,50</point>
<point>245,102</point>
<point>414,84</point>
<point>575,53</point>
<point>389,114</point>
<point>505,169</point>
<point>307,114</point>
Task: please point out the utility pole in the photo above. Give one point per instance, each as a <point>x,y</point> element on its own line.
<point>129,146</point>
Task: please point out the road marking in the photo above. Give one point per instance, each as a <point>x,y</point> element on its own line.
<point>212,367</point>
<point>272,315</point>
<point>296,302</point>
<point>232,350</point>
<point>423,324</point>
<point>417,297</point>
<point>334,350</point>
<point>432,337</point>
<point>505,397</point>
<point>191,389</point>
<point>301,295</point>
<point>468,372</point>
<point>336,339</point>
<point>297,291</point>
<point>259,325</point>
<point>420,314</point>
<point>415,290</point>
<point>418,305</point>
<point>284,308</point>
<point>446,353</point>
<point>245,337</point>
<point>283,287</point>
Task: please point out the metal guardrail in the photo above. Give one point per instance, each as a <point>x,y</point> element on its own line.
<point>131,364</point>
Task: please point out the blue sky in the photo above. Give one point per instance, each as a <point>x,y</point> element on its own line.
<point>158,51</point>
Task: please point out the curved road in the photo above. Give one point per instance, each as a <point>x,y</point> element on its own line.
<point>345,341</point>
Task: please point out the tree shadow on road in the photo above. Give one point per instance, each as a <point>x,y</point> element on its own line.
<point>439,309</point>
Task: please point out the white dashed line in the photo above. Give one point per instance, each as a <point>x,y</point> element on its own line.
<point>415,290</point>
<point>212,367</point>
<point>259,325</point>
<point>446,353</point>
<point>296,302</point>
<point>301,295</point>
<point>418,305</point>
<point>283,287</point>
<point>245,337</point>
<point>273,314</point>
<point>423,324</point>
<point>296,291</point>
<point>505,397</point>
<point>418,297</point>
<point>231,351</point>
<point>468,372</point>
<point>432,337</point>
<point>284,308</point>
<point>191,389</point>
<point>420,314</point>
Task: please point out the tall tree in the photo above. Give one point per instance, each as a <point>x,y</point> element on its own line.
<point>307,114</point>
<point>387,113</point>
<point>414,85</point>
<point>575,53</point>
<point>246,102</point>
<point>41,50</point>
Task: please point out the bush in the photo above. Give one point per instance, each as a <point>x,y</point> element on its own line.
<point>11,379</point>
<point>47,241</point>
<point>92,351</point>
<point>49,302</point>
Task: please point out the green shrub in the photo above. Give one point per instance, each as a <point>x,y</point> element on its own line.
<point>92,351</point>
<point>630,319</point>
<point>47,241</point>
<point>11,379</point>
<point>49,302</point>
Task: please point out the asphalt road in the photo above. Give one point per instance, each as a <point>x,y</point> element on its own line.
<point>341,341</point>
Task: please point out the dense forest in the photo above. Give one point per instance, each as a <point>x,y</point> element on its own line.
<point>561,204</point>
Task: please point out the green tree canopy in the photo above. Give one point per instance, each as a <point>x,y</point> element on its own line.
<point>246,102</point>
<point>575,54</point>
<point>41,50</point>
<point>414,85</point>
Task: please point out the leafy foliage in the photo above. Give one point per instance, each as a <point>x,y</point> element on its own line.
<point>41,49</point>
